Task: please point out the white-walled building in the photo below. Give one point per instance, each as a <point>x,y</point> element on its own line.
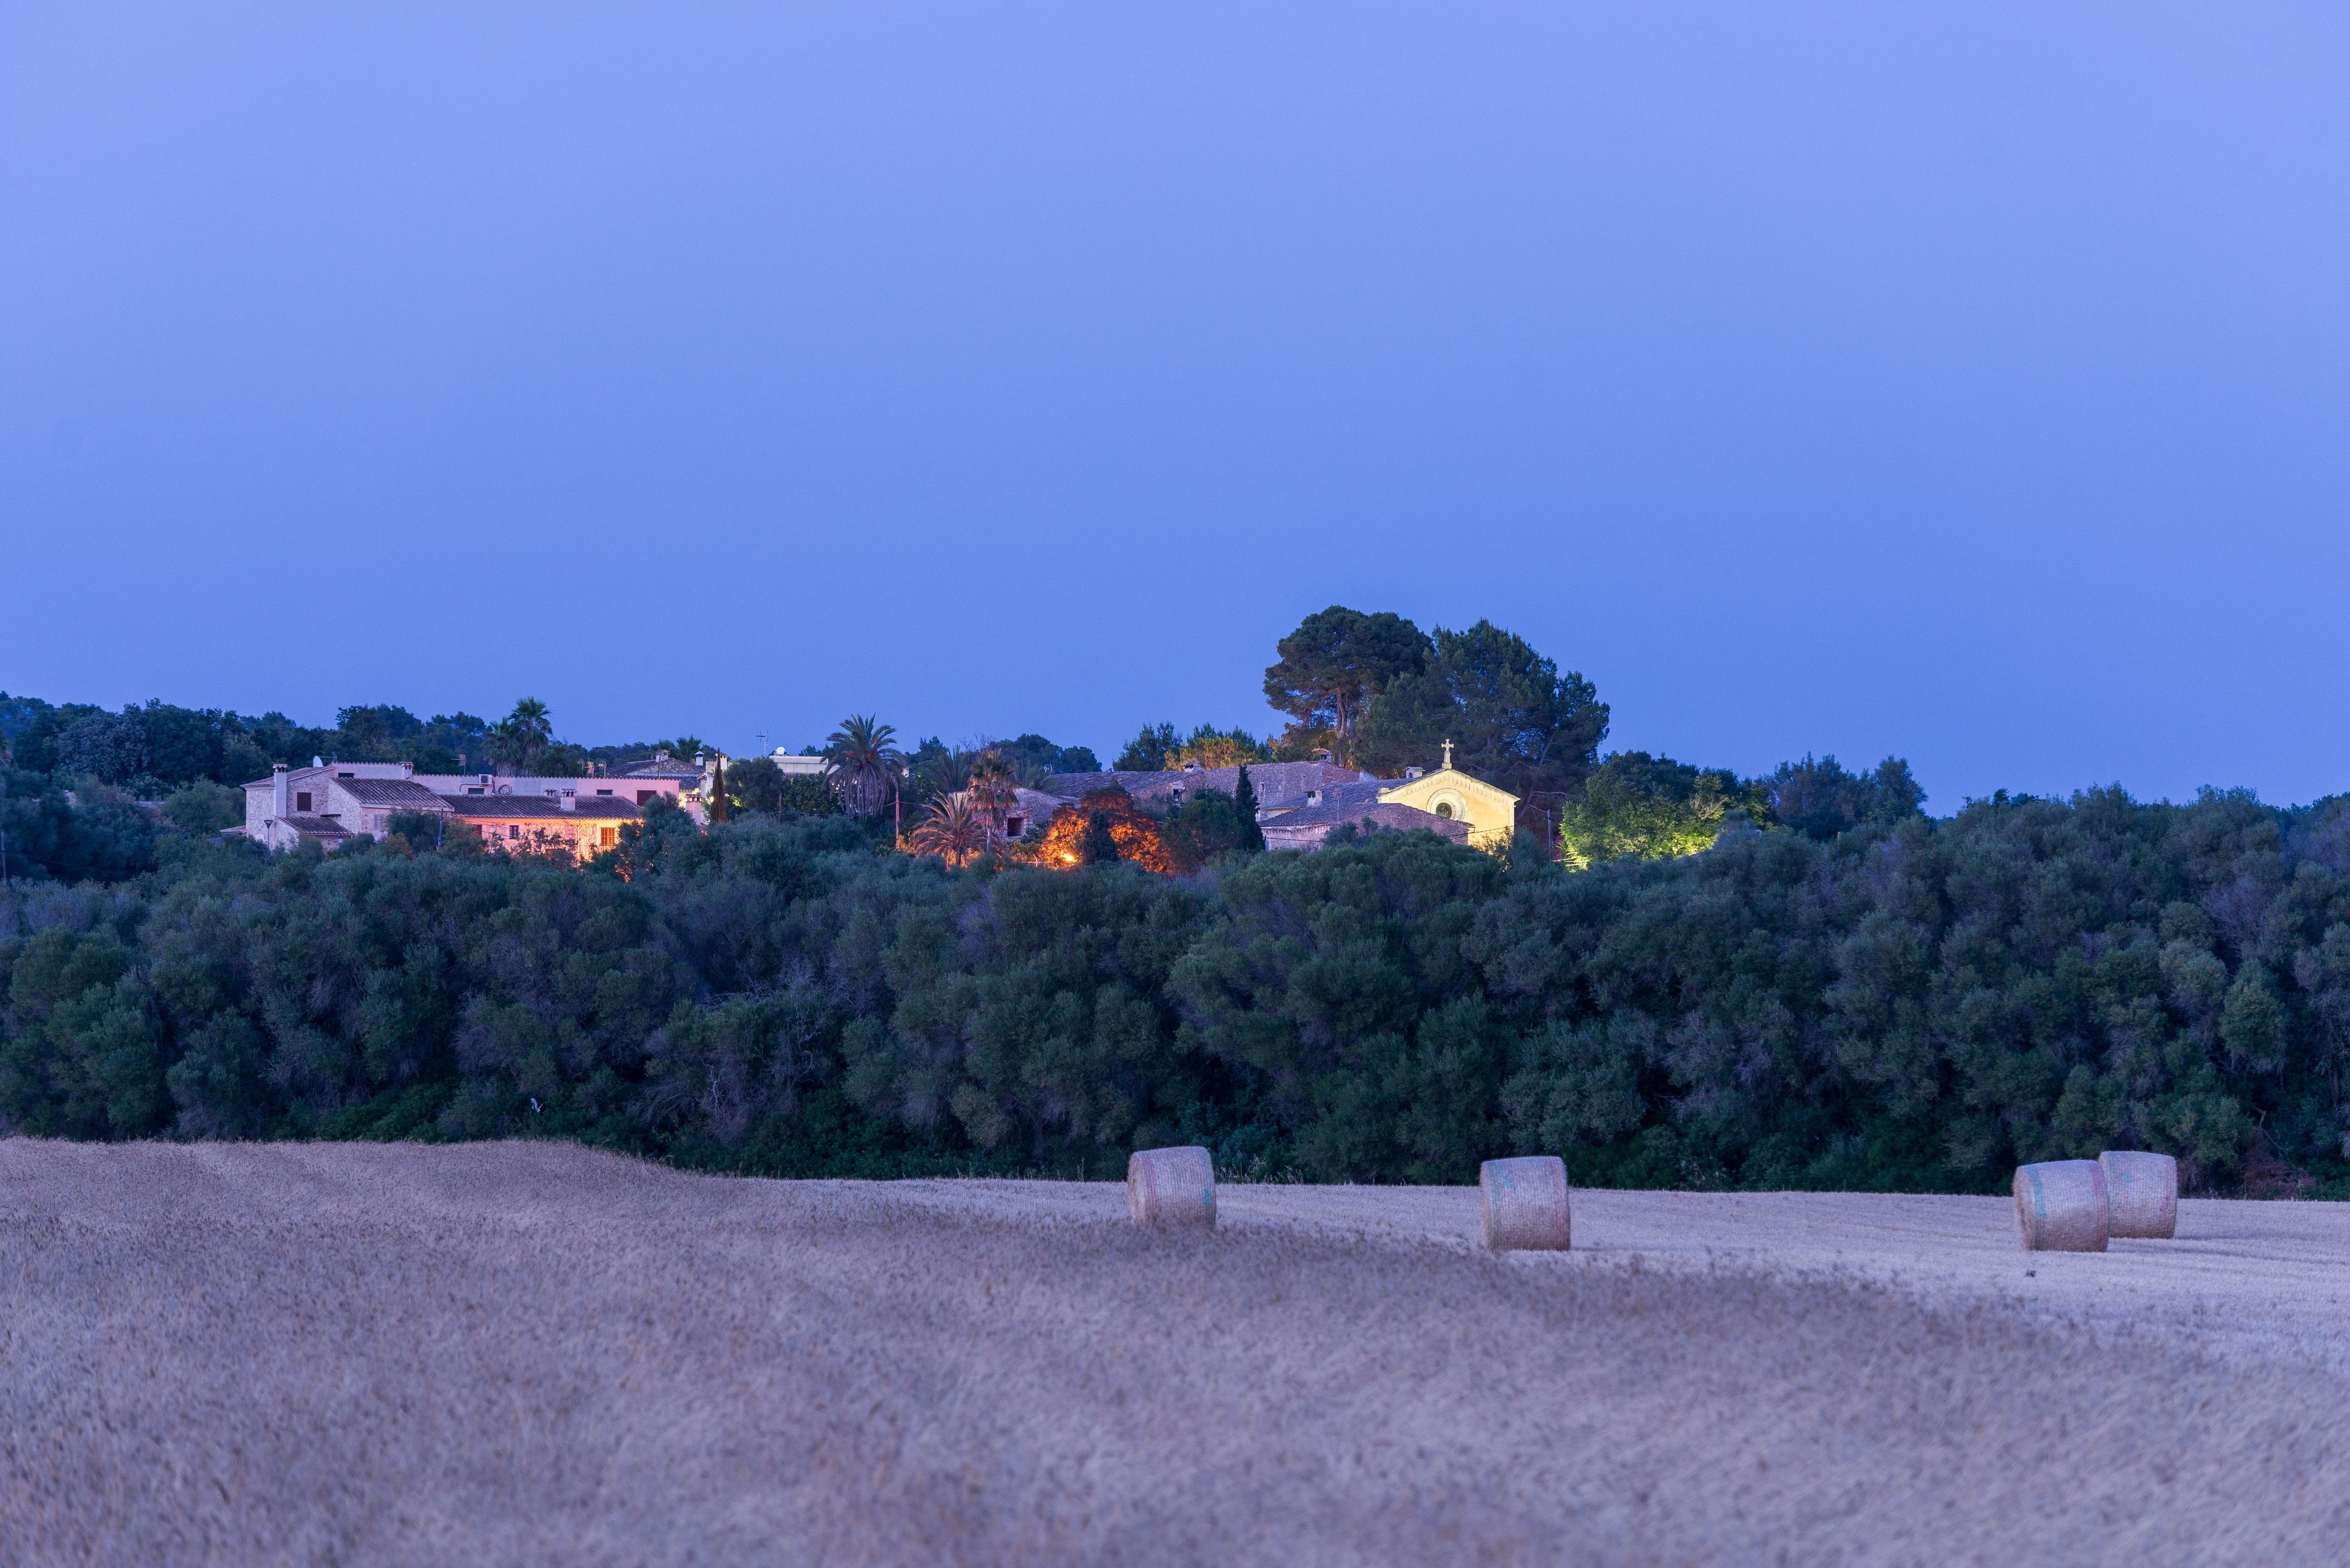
<point>328,803</point>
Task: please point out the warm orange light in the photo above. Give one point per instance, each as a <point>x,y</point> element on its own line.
<point>1135,831</point>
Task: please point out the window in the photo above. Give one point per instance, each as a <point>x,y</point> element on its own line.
<point>1444,809</point>
<point>513,832</point>
<point>346,775</point>
<point>475,789</point>
<point>611,834</point>
<point>301,800</point>
<point>603,792</point>
<point>644,795</point>
<point>1014,826</point>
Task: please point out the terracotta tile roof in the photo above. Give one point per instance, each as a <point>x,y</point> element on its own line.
<point>1357,792</point>
<point>1310,823</point>
<point>397,794</point>
<point>1267,779</point>
<point>295,776</point>
<point>541,807</point>
<point>652,768</point>
<point>316,827</point>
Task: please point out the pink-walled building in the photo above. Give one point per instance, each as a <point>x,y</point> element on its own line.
<point>330,802</point>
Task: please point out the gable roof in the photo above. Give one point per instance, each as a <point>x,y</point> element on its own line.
<point>541,807</point>
<point>657,768</point>
<point>1268,780</point>
<point>302,776</point>
<point>1449,778</point>
<point>1314,821</point>
<point>1356,792</point>
<point>397,794</point>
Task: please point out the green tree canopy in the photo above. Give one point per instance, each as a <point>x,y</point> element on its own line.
<point>1099,845</point>
<point>1334,663</point>
<point>1148,751</point>
<point>1912,1005</point>
<point>1214,748</point>
<point>1161,746</point>
<point>1513,720</point>
<point>755,784</point>
<point>1033,753</point>
<point>1820,798</point>
<point>205,806</point>
<point>935,768</point>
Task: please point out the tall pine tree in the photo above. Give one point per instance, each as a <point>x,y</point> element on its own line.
<point>1100,846</point>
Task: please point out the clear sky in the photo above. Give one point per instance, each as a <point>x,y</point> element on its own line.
<point>1966,382</point>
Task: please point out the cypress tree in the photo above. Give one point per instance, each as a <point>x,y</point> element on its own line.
<point>717,792</point>
<point>1244,803</point>
<point>1099,845</point>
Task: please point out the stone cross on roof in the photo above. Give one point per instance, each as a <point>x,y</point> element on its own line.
<point>1448,754</point>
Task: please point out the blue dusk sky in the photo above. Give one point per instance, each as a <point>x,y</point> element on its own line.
<point>1964,382</point>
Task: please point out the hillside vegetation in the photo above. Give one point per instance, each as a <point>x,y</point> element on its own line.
<point>1911,1004</point>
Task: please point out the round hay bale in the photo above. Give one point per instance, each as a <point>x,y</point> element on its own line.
<point>1173,1187</point>
<point>2060,1206</point>
<point>2141,1194</point>
<point>1524,1203</point>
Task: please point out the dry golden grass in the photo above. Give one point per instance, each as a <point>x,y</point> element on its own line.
<point>531,1354</point>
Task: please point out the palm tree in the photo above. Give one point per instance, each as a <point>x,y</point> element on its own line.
<point>938,770</point>
<point>865,762</point>
<point>531,724</point>
<point>951,830</point>
<point>522,734</point>
<point>992,789</point>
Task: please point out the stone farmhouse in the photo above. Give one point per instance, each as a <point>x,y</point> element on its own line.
<point>328,803</point>
<point>1299,804</point>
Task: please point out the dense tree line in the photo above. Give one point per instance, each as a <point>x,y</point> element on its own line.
<point>1375,693</point>
<point>1872,999</point>
<point>149,752</point>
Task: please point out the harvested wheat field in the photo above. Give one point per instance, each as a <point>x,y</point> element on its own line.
<point>528,1352</point>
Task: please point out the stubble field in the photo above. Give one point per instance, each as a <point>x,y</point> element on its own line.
<point>528,1352</point>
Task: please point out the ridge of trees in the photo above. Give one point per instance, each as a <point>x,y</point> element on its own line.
<point>150,749</point>
<point>1907,1004</point>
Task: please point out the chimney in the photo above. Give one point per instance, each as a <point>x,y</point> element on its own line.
<point>277,796</point>
<point>568,800</point>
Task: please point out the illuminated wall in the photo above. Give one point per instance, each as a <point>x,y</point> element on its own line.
<point>1491,814</point>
